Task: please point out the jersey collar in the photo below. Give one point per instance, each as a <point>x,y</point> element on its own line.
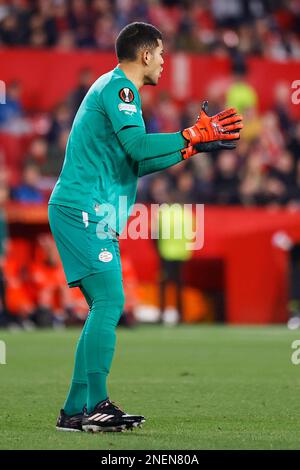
<point>122,74</point>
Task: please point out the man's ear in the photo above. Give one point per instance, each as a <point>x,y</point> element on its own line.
<point>146,56</point>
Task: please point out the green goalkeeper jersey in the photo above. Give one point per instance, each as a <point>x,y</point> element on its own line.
<point>97,175</point>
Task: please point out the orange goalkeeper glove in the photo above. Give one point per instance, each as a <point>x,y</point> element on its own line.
<point>207,147</point>
<point>225,125</point>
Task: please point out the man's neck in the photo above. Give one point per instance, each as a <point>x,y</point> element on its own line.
<point>133,73</point>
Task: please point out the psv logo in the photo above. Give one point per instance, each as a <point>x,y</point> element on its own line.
<point>105,256</point>
<point>126,95</point>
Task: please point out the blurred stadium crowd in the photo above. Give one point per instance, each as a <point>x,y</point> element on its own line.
<point>264,170</point>
<point>264,27</point>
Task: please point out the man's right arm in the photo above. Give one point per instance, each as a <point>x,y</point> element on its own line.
<point>121,103</point>
<point>123,109</point>
<point>142,146</point>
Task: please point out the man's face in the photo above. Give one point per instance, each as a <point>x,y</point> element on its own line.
<point>154,67</point>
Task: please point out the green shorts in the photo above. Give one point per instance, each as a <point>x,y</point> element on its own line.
<point>84,245</point>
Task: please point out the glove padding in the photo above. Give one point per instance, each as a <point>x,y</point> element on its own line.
<point>225,125</point>
<point>215,146</point>
<point>229,131</point>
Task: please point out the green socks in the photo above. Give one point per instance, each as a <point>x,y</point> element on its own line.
<point>76,398</point>
<point>96,346</point>
<point>96,390</point>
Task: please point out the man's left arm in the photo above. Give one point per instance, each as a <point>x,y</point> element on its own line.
<point>152,165</point>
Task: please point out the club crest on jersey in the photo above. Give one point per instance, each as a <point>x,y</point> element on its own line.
<point>126,95</point>
<point>105,256</point>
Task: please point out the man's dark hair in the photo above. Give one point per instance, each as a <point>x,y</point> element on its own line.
<point>136,36</point>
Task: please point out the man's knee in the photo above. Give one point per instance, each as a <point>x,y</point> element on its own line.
<point>115,299</point>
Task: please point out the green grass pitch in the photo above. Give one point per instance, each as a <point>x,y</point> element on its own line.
<point>200,387</point>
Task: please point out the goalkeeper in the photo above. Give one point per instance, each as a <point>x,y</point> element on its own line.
<point>107,151</point>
